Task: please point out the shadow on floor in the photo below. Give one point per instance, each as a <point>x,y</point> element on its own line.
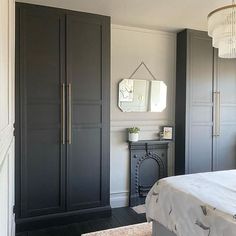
<point>120,217</point>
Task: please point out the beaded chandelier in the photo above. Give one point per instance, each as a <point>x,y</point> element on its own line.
<point>222,28</point>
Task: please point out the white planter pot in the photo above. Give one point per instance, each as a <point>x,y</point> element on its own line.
<point>133,137</point>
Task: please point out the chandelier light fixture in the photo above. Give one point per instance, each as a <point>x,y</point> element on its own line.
<point>222,28</point>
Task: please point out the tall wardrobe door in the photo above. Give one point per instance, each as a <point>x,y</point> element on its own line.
<point>88,120</point>
<point>200,105</point>
<point>38,90</point>
<point>225,143</point>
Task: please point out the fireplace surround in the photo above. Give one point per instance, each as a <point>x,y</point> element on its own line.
<point>148,163</point>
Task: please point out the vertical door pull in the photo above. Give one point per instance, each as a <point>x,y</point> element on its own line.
<point>69,125</point>
<point>216,114</point>
<point>63,113</point>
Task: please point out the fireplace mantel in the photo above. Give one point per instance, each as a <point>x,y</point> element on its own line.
<point>147,144</point>
<point>148,163</point>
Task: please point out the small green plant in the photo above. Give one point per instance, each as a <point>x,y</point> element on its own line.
<point>133,130</point>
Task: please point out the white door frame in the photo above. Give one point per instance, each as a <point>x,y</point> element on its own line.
<point>7,117</point>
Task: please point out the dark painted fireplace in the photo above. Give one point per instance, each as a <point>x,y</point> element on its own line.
<point>148,163</point>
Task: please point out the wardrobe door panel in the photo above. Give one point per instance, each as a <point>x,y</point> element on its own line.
<point>201,149</point>
<point>225,143</point>
<point>39,89</point>
<point>200,102</point>
<point>87,153</point>
<point>43,169</point>
<point>201,68</point>
<point>85,168</point>
<point>84,54</point>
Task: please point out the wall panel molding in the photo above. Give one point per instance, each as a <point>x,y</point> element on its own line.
<point>130,46</point>
<point>144,125</point>
<point>5,142</point>
<point>171,36</point>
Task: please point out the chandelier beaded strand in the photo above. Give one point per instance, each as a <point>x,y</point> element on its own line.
<point>222,28</point>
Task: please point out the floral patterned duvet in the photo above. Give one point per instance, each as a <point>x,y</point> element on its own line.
<point>201,204</point>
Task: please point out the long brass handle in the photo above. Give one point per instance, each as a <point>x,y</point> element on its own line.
<point>63,113</point>
<point>216,114</point>
<point>69,132</point>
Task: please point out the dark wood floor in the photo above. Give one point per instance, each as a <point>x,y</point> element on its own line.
<point>120,217</point>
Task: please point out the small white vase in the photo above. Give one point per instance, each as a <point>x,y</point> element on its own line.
<point>133,137</point>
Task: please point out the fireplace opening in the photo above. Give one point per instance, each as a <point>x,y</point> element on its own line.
<point>150,170</point>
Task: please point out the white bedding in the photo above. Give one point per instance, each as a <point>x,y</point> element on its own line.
<point>195,205</point>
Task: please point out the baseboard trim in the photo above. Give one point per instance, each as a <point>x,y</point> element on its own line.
<point>39,222</point>
<point>119,199</point>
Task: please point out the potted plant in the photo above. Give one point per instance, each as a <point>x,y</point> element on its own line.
<point>133,134</point>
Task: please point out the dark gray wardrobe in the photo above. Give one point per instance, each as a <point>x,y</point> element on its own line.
<point>205,106</point>
<point>62,115</point>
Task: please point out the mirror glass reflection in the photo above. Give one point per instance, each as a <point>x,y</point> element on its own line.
<point>142,95</point>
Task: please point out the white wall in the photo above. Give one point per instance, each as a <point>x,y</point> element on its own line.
<point>7,225</point>
<point>130,46</point>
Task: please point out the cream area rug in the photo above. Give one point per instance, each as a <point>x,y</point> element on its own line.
<point>144,229</point>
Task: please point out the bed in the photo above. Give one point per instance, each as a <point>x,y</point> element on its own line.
<point>201,204</point>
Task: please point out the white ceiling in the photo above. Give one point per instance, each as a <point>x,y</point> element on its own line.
<point>169,15</point>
